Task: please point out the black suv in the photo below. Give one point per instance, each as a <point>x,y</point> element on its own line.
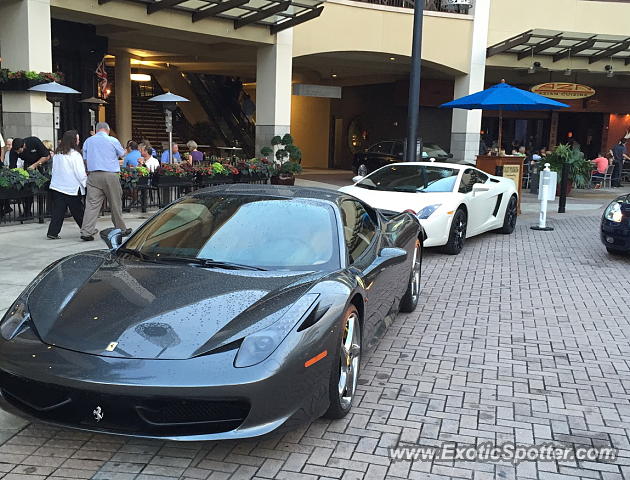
<point>393,151</point>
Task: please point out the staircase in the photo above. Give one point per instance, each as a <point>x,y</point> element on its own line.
<point>148,122</point>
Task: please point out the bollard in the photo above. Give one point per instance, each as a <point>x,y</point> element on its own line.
<point>547,192</point>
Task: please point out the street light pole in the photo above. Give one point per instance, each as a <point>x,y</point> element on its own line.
<point>413,115</point>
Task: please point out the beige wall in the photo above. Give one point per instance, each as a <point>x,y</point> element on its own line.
<point>511,17</point>
<point>310,126</point>
<point>361,27</point>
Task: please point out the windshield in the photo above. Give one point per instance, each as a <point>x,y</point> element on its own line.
<point>270,233</point>
<point>411,178</point>
<point>433,150</point>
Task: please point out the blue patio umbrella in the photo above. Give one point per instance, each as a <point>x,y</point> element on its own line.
<point>504,97</point>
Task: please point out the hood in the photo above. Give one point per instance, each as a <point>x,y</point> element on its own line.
<point>399,201</point>
<point>93,301</point>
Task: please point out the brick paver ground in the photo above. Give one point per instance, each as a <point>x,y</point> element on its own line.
<point>520,338</point>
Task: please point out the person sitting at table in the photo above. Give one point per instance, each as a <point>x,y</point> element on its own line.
<point>195,157</point>
<point>133,155</point>
<point>601,164</point>
<point>146,159</point>
<point>176,156</point>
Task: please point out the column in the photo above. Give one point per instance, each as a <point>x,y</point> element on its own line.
<point>25,44</point>
<point>122,90</point>
<point>466,124</point>
<point>273,89</point>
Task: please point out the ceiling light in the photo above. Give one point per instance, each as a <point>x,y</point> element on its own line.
<point>140,77</point>
<point>333,75</point>
<point>393,59</point>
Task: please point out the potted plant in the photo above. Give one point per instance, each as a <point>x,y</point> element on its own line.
<point>287,162</point>
<point>23,80</point>
<point>171,175</point>
<point>18,183</point>
<point>214,174</point>
<point>579,167</point>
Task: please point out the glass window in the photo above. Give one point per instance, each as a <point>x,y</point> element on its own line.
<point>271,233</point>
<point>358,228</point>
<point>382,147</point>
<point>411,178</point>
<point>399,149</point>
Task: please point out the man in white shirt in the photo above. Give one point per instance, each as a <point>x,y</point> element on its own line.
<point>147,159</point>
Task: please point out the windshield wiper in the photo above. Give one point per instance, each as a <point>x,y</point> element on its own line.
<point>208,262</point>
<point>136,253</point>
<point>363,185</point>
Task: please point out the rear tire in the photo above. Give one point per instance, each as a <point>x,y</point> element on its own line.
<point>457,235</point>
<point>345,366</point>
<point>409,301</point>
<point>511,212</point>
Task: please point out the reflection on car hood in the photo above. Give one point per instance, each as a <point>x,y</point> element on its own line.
<point>399,201</point>
<point>156,310</point>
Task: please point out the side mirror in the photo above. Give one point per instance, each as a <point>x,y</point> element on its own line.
<point>357,179</point>
<point>114,239</point>
<point>480,187</point>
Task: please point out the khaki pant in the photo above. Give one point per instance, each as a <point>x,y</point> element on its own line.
<point>101,186</point>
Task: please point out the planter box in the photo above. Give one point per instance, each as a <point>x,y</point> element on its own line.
<point>143,182</point>
<point>172,181</point>
<point>283,180</point>
<point>14,193</point>
<point>207,181</point>
<point>18,84</point>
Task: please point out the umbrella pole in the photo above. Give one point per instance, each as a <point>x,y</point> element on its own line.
<point>500,146</point>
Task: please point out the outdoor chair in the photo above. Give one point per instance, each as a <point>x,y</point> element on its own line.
<point>604,179</point>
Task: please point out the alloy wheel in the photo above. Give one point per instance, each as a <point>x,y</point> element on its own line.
<point>350,354</point>
<point>362,170</point>
<point>511,213</point>
<point>460,231</point>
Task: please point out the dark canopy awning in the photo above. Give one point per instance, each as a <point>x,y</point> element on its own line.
<point>277,14</point>
<point>560,45</point>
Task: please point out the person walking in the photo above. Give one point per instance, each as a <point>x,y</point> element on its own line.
<point>619,155</point>
<point>101,152</point>
<point>67,183</point>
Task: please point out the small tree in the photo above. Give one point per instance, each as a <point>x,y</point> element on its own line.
<point>284,151</point>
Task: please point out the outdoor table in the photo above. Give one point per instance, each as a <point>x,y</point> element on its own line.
<point>508,166</point>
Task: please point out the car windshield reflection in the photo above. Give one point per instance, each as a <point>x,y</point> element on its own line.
<point>241,231</point>
<point>411,178</point>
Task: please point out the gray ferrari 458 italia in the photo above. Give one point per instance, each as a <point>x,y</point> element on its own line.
<point>232,312</point>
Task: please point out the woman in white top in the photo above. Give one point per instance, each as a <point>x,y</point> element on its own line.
<point>67,184</point>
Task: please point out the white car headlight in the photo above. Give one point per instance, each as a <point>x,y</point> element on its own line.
<point>613,212</point>
<point>427,211</point>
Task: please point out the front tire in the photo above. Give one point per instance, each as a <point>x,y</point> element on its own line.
<point>345,366</point>
<point>362,170</point>
<point>511,212</point>
<point>409,301</point>
<point>457,235</point>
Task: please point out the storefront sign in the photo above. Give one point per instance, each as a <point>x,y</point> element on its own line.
<point>321,91</point>
<point>562,90</point>
<point>513,172</point>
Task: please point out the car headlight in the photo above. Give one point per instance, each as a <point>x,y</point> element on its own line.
<point>15,320</point>
<point>613,212</point>
<point>427,211</point>
<point>260,345</point>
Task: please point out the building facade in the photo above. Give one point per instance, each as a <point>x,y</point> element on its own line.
<point>334,74</point>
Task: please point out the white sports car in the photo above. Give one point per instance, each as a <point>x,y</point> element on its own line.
<point>453,202</point>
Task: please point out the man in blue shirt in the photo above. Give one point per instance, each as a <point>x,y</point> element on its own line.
<point>131,159</point>
<point>101,153</point>
<point>619,155</point>
<point>176,156</point>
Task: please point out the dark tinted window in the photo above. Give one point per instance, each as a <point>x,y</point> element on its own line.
<point>469,178</point>
<point>259,231</point>
<point>382,147</point>
<point>358,228</point>
<point>398,149</point>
